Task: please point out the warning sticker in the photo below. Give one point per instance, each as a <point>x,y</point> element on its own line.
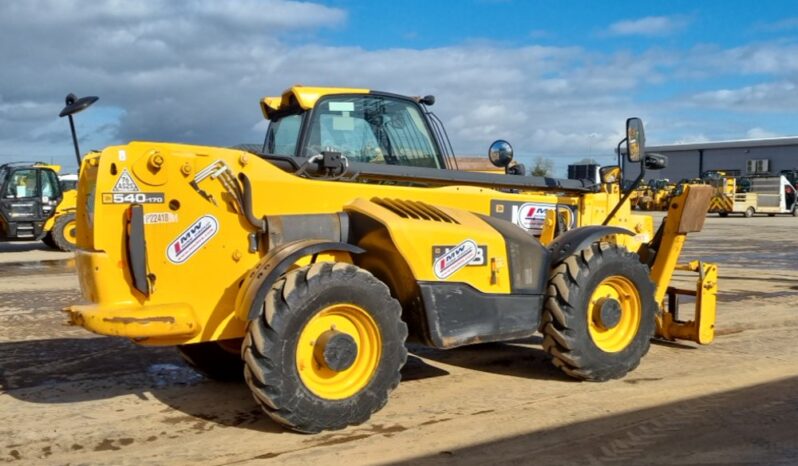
<point>125,184</point>
<point>191,240</point>
<point>455,259</point>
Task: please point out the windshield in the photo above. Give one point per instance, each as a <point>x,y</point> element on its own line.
<point>364,128</point>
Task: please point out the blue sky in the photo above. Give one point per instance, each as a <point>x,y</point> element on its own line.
<point>557,79</point>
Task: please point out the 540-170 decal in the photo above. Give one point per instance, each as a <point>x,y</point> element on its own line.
<point>133,198</point>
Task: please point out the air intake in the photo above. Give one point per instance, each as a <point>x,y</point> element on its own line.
<point>415,210</point>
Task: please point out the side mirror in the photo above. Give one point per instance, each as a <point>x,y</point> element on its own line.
<point>75,105</point>
<point>656,161</point>
<point>635,140</point>
<point>428,100</point>
<point>500,153</point>
<point>516,169</point>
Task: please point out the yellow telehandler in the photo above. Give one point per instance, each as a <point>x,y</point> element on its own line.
<point>306,263</point>
<point>34,205</point>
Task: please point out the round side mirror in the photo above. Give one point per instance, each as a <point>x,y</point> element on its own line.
<point>75,105</point>
<point>500,153</point>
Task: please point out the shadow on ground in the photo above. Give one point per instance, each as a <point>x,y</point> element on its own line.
<point>521,358</point>
<point>69,370</point>
<point>755,425</point>
<point>24,246</point>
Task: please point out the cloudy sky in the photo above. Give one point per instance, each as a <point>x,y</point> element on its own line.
<point>557,79</point>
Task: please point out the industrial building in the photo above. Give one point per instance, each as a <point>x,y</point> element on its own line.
<point>739,158</point>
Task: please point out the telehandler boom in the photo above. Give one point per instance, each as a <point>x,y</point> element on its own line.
<point>307,263</point>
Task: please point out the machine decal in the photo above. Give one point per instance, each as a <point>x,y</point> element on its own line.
<point>191,240</point>
<point>133,198</point>
<point>533,216</point>
<point>479,260</point>
<point>530,216</point>
<point>160,217</point>
<point>125,184</point>
<point>455,259</point>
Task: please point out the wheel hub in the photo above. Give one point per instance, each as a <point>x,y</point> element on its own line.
<point>609,313</point>
<point>336,350</point>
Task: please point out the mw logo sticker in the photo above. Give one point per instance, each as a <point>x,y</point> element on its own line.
<point>532,216</point>
<point>125,184</point>
<point>455,259</point>
<point>478,260</point>
<point>191,240</point>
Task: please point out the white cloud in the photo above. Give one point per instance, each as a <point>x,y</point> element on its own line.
<point>648,26</point>
<point>761,133</point>
<point>767,97</point>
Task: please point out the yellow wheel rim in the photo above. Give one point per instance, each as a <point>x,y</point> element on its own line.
<point>620,295</point>
<point>320,379</point>
<point>71,232</point>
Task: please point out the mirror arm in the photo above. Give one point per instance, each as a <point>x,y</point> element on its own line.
<point>620,163</point>
<point>628,192</point>
<point>74,140</point>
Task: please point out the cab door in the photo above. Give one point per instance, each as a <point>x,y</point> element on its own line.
<point>51,193</point>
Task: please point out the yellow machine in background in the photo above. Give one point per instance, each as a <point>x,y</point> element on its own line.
<point>34,206</point>
<point>305,264</point>
<point>655,196</point>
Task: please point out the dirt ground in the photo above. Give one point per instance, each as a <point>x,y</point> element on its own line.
<point>70,397</point>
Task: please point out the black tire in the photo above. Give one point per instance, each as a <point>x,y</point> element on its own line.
<point>217,360</point>
<point>723,214</point>
<point>63,234</point>
<point>795,211</point>
<point>749,212</point>
<point>567,337</point>
<point>271,345</point>
<point>48,240</point>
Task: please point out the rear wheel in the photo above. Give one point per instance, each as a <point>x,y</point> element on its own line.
<point>63,236</point>
<point>217,360</point>
<point>723,214</point>
<point>749,212</point>
<point>599,313</point>
<point>327,350</point>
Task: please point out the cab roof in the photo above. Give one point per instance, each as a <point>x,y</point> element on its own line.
<point>305,96</point>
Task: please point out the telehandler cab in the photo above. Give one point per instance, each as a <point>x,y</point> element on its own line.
<point>305,264</point>
<point>34,206</point>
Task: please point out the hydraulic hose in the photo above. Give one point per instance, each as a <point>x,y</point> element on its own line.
<point>246,199</point>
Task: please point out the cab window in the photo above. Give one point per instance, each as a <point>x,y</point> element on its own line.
<point>373,129</point>
<point>282,136</point>
<point>21,184</point>
<point>50,187</point>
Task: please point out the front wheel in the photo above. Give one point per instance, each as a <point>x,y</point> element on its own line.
<point>327,349</point>
<point>63,236</point>
<point>599,313</point>
<point>749,212</point>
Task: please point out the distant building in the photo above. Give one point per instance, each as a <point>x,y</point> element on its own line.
<point>740,158</point>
